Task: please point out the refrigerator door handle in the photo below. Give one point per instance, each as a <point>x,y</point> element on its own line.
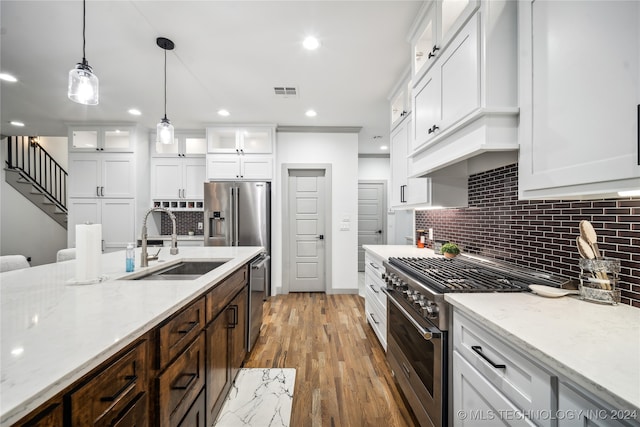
<point>236,218</point>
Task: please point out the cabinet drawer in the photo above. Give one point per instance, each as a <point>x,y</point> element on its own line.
<point>136,414</point>
<point>220,296</point>
<point>374,287</point>
<point>180,384</point>
<point>477,402</point>
<point>377,318</point>
<point>373,265</point>
<point>179,331</point>
<point>196,415</point>
<point>528,386</point>
<point>104,399</point>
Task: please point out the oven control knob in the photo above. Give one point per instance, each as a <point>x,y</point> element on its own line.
<point>431,310</point>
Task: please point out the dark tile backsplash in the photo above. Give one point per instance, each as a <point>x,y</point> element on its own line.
<point>185,222</point>
<point>539,234</point>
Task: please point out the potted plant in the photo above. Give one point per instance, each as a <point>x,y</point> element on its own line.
<point>450,250</point>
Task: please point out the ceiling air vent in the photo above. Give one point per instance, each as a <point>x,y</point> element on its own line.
<point>285,91</point>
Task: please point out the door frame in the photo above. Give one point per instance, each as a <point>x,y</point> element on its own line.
<point>384,204</point>
<point>327,222</point>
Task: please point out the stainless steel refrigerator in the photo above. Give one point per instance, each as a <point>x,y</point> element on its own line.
<point>239,214</point>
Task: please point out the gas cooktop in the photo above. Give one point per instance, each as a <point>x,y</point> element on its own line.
<point>462,274</point>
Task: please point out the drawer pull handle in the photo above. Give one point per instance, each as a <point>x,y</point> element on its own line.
<point>374,318</point>
<point>189,329</point>
<point>374,266</point>
<point>374,289</point>
<point>478,350</point>
<point>131,381</point>
<point>406,370</point>
<point>192,377</point>
<point>234,322</point>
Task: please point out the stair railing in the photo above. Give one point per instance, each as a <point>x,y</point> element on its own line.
<point>35,164</point>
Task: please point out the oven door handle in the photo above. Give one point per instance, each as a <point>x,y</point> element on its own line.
<point>426,334</point>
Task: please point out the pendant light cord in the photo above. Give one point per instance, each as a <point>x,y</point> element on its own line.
<point>84,19</point>
<point>165,84</point>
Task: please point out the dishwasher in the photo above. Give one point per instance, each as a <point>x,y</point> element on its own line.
<point>258,281</point>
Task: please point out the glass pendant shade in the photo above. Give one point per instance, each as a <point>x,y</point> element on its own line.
<point>164,132</point>
<point>83,85</point>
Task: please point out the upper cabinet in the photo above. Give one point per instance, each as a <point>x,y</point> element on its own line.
<point>579,98</point>
<point>244,140</point>
<point>186,144</point>
<point>112,138</point>
<point>240,152</point>
<point>440,22</point>
<point>465,100</point>
<point>401,100</point>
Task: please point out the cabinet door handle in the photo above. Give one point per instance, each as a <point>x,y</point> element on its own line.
<point>406,370</point>
<point>402,199</point>
<point>131,381</point>
<point>478,350</point>
<point>192,377</point>
<point>97,191</point>
<point>102,191</point>
<point>190,325</point>
<point>433,52</point>
<point>373,317</point>
<point>234,311</point>
<point>374,289</point>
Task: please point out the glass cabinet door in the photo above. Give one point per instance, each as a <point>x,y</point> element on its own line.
<point>256,140</point>
<point>116,139</point>
<point>197,146</point>
<point>84,139</point>
<point>222,140</point>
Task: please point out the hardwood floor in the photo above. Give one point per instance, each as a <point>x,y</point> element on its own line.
<point>342,376</point>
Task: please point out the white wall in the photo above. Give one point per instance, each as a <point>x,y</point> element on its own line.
<point>24,228</point>
<point>341,151</point>
<point>374,168</point>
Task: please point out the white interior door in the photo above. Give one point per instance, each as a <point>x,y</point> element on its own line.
<point>306,230</point>
<point>371,209</point>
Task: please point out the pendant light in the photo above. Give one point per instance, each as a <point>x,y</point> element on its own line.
<point>164,129</point>
<point>83,84</point>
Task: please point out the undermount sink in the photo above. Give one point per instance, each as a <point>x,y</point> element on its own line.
<point>185,270</point>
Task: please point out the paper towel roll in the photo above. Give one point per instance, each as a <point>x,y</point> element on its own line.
<point>88,252</point>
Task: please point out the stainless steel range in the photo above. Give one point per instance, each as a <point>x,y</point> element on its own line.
<point>418,320</point>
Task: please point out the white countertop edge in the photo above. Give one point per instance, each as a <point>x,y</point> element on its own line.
<point>540,357</point>
<point>14,413</point>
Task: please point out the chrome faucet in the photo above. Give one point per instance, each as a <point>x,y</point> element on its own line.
<point>145,258</point>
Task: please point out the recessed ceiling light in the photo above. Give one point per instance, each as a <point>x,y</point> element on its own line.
<point>384,147</point>
<point>630,193</point>
<point>135,112</point>
<point>17,123</point>
<point>311,43</point>
<point>8,78</point>
<point>311,113</point>
<point>224,113</point>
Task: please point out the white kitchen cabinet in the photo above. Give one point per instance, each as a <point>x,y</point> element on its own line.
<point>401,99</point>
<point>106,138</point>
<point>187,144</point>
<point>233,166</point>
<point>375,299</point>
<point>439,22</point>
<point>579,117</point>
<point>451,89</point>
<point>406,193</point>
<point>117,217</point>
<point>466,104</point>
<point>579,410</point>
<point>240,152</point>
<point>239,140</point>
<point>177,178</point>
<point>101,175</point>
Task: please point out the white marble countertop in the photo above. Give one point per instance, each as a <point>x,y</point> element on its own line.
<point>53,332</point>
<point>595,346</point>
<point>386,251</point>
<point>181,237</point>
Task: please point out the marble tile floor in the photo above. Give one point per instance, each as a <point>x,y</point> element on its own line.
<point>260,397</point>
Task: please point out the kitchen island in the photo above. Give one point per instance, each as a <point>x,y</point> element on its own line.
<point>55,332</point>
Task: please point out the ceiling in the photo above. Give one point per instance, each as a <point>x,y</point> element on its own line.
<point>228,54</point>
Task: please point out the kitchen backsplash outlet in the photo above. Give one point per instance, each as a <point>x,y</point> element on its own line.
<point>185,222</point>
<point>539,234</point>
